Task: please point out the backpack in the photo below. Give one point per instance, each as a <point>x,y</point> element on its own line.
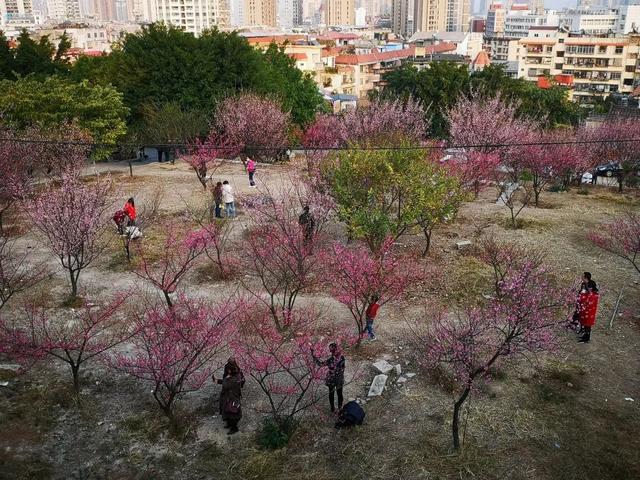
<point>350,414</point>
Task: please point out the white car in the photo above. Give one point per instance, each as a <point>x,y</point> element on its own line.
<point>587,177</point>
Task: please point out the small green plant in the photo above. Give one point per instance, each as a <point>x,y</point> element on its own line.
<point>557,187</point>
<point>276,434</point>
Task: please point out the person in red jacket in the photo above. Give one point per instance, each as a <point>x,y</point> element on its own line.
<point>587,307</point>
<point>130,211</point>
<point>372,311</point>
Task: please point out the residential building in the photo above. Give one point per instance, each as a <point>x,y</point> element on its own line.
<point>628,18</point>
<point>600,21</point>
<point>430,16</point>
<point>520,19</point>
<point>261,13</point>
<point>495,20</point>
<point>339,12</point>
<point>367,70</point>
<point>192,16</point>
<point>466,44</point>
<point>16,13</point>
<point>400,18</point>
<point>598,66</point>
<point>457,15</point>
<point>63,9</point>
<point>290,13</point>
<point>501,49</point>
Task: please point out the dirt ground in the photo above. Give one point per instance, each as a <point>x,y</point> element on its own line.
<point>574,415</point>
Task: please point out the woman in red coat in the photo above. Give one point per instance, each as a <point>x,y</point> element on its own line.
<point>129,210</point>
<point>587,308</point>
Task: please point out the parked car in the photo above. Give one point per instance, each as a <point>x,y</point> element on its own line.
<point>608,169</point>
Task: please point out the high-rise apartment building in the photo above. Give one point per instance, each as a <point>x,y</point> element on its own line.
<point>192,15</point>
<point>340,12</point>
<point>458,12</point>
<point>495,20</point>
<point>16,12</point>
<point>260,12</point>
<point>430,16</point>
<point>400,18</point>
<point>289,13</point>
<point>63,9</point>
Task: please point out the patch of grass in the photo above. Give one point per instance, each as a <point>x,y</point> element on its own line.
<point>73,302</point>
<point>263,465</point>
<point>208,458</point>
<point>467,280</point>
<point>528,223</point>
<point>14,467</point>
<point>583,191</point>
<point>145,425</point>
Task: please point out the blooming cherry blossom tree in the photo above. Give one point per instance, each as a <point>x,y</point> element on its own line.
<point>254,125</point>
<point>72,220</point>
<point>354,274</point>
<point>279,253</point>
<point>521,320</point>
<point>177,348</point>
<point>280,360</point>
<point>621,237</point>
<point>205,157</point>
<point>73,338</point>
<point>177,258</point>
<point>18,272</point>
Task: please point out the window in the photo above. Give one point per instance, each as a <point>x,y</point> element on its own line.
<point>549,49</point>
<point>619,50</point>
<point>615,76</point>
<point>561,40</point>
<point>628,81</point>
<point>558,66</point>
<point>629,68</point>
<point>559,54</point>
<point>602,49</point>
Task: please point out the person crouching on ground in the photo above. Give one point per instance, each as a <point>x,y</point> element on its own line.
<point>230,397</point>
<point>335,374</point>
<point>587,307</point>
<point>130,211</point>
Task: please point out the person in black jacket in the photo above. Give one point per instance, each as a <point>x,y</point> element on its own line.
<point>335,374</point>
<point>232,382</point>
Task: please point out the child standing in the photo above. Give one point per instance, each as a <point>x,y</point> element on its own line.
<point>372,311</point>
<point>251,169</point>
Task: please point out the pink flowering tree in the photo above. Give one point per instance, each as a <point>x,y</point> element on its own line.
<point>484,129</point>
<point>621,237</point>
<point>521,320</point>
<point>74,338</point>
<point>474,169</point>
<point>280,360</point>
<point>72,220</point>
<point>205,157</point>
<point>279,253</point>
<point>256,126</point>
<point>18,271</point>
<point>177,348</point>
<point>386,123</point>
<point>354,274</point>
<point>15,173</point>
<point>178,256</point>
<point>572,158</point>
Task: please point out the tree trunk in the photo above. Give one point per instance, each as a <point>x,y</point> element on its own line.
<point>455,426</point>
<point>427,235</point>
<point>75,371</point>
<point>130,168</point>
<point>168,299</point>
<point>74,283</point>
<point>536,196</point>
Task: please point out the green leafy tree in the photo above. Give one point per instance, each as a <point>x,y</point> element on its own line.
<point>57,102</point>
<point>162,64</point>
<point>374,191</point>
<point>435,198</point>
<point>7,64</point>
<point>297,91</point>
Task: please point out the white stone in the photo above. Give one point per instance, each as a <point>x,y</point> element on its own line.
<point>462,244</point>
<point>410,375</point>
<point>377,386</point>
<point>401,380</point>
<point>398,368</point>
<point>383,366</point>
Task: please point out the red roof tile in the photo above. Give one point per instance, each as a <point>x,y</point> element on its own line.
<point>298,56</point>
<point>482,59</point>
<point>375,57</point>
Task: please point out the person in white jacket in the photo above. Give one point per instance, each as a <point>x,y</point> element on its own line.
<point>227,198</point>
